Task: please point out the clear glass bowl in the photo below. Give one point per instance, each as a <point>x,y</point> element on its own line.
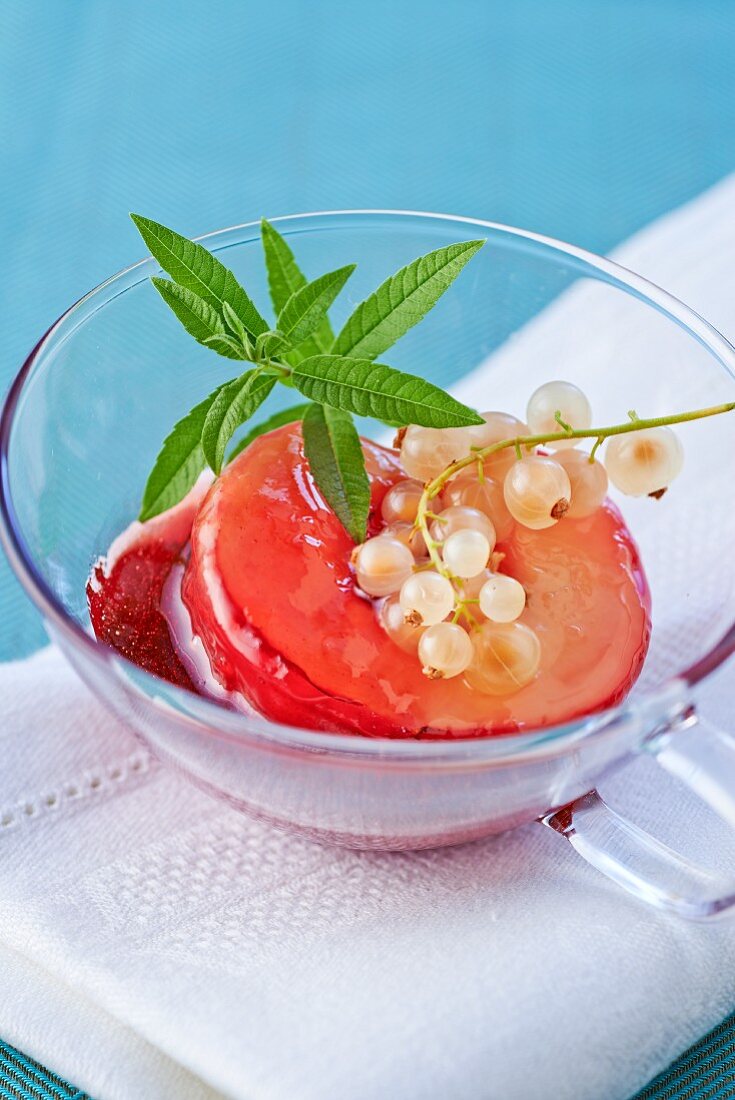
<point>87,412</point>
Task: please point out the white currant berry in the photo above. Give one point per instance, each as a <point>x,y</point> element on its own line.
<point>427,598</point>
<point>460,518</point>
<point>401,502</point>
<point>466,552</point>
<point>382,565</point>
<point>644,462</point>
<point>537,491</point>
<point>451,494</point>
<point>506,657</point>
<point>410,537</point>
<point>425,452</point>
<point>564,398</point>
<point>470,588</point>
<point>498,426</point>
<point>502,598</point>
<point>587,479</point>
<point>445,650</point>
<point>393,621</point>
<point>487,496</point>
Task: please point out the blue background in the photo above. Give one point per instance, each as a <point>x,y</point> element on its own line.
<point>584,119</point>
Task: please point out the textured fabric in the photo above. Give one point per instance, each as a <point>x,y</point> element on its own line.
<point>583,119</point>
<point>258,964</point>
<point>705,1072</point>
<point>23,1079</point>
<point>37,1011</point>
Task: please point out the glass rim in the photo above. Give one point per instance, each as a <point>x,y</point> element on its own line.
<point>459,750</point>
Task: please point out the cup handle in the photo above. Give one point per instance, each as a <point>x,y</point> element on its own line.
<point>703,757</point>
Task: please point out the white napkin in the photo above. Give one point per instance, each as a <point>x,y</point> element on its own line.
<point>154,943</point>
<point>146,928</point>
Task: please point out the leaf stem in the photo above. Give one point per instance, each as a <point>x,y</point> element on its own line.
<point>272,366</point>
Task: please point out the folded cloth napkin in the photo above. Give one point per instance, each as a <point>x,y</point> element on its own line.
<point>158,944</point>
<point>154,943</point>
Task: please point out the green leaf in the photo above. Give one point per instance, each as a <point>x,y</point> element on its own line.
<point>179,463</point>
<point>235,325</point>
<point>284,274</point>
<point>269,343</point>
<point>226,345</point>
<point>401,301</point>
<point>373,389</point>
<point>197,316</point>
<point>285,416</point>
<point>240,334</point>
<point>332,447</point>
<point>235,404</point>
<point>307,307</point>
<point>196,269</point>
<point>284,278</point>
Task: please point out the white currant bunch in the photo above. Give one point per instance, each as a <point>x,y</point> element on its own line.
<point>457,612</point>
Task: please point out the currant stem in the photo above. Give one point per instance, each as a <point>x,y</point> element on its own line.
<point>461,609</point>
<point>598,443</point>
<point>478,455</point>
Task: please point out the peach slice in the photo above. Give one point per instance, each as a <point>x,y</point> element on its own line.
<point>272,595</point>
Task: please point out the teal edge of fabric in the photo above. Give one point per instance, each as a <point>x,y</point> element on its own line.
<point>22,1078</point>
<point>705,1072</point>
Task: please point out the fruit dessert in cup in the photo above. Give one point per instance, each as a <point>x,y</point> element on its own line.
<point>472,579</point>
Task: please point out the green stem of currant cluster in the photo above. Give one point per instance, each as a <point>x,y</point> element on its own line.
<point>478,456</point>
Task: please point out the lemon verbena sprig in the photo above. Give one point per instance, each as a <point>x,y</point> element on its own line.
<point>478,455</point>
<point>337,374</point>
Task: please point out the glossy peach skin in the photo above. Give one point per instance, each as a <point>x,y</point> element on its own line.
<point>271,593</point>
